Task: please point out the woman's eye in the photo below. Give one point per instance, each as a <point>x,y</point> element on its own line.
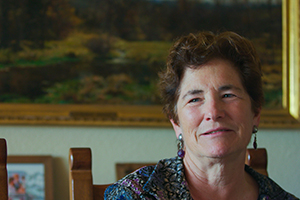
<point>194,100</point>
<point>228,95</point>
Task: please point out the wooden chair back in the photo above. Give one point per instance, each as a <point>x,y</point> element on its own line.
<point>80,176</point>
<point>81,181</point>
<point>3,170</point>
<point>257,159</point>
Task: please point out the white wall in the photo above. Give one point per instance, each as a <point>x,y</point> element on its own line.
<point>122,144</point>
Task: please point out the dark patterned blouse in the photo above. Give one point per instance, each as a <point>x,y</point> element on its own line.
<point>166,180</point>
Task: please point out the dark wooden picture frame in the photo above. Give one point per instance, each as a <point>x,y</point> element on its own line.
<point>122,169</point>
<point>37,172</point>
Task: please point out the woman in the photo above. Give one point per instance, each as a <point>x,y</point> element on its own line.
<point>212,93</point>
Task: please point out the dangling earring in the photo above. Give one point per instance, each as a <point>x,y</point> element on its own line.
<point>180,151</point>
<point>254,131</point>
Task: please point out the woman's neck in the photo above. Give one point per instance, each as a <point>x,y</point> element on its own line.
<point>219,178</point>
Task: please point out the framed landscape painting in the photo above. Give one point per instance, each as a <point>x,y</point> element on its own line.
<point>85,62</point>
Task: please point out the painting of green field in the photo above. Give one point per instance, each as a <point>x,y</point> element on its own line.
<point>110,51</point>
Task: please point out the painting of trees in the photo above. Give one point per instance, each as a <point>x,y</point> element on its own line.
<point>109,51</point>
<point>36,21</point>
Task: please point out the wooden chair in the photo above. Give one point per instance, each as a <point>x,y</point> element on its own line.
<point>80,176</point>
<point>3,170</point>
<point>257,159</point>
<point>81,181</point>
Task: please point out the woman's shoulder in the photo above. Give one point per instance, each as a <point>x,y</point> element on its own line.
<point>131,186</point>
<point>269,189</point>
<point>134,185</point>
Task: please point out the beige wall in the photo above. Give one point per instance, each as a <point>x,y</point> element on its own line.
<point>122,144</point>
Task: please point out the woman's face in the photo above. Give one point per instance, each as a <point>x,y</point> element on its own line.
<point>214,111</point>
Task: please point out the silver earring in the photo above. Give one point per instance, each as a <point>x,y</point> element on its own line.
<point>180,151</point>
<point>254,131</point>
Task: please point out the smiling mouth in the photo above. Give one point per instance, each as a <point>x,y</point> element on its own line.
<point>212,132</point>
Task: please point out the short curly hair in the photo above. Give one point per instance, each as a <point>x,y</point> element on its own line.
<point>194,50</point>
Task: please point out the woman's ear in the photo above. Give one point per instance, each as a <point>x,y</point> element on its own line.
<point>256,118</point>
<point>176,128</point>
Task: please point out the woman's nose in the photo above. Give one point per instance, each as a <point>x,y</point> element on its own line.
<point>214,109</point>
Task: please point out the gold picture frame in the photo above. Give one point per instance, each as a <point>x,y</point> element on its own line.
<point>36,171</point>
<point>118,115</point>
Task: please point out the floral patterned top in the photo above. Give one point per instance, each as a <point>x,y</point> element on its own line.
<point>166,180</point>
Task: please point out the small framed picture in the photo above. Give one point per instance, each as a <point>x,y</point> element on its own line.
<point>123,169</point>
<point>30,177</point>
